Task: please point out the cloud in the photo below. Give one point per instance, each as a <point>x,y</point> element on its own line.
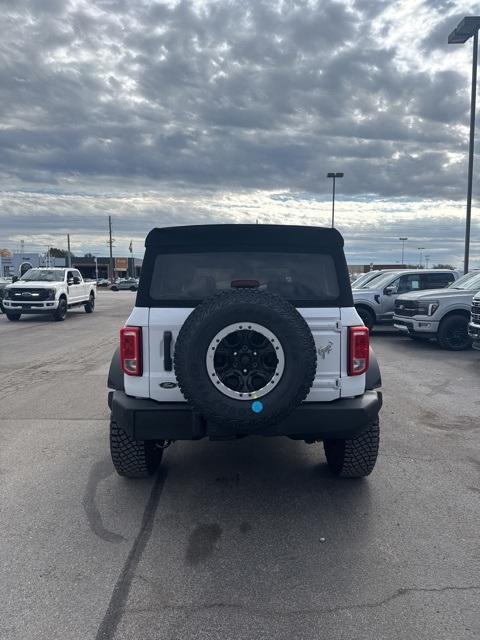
<point>120,99</point>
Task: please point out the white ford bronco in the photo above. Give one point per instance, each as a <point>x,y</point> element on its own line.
<point>240,330</point>
<point>52,291</point>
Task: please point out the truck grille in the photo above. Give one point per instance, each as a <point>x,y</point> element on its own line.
<point>28,295</point>
<point>476,311</point>
<point>405,308</point>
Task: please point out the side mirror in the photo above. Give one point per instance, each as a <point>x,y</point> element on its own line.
<point>70,281</point>
<point>14,278</point>
<point>389,291</point>
<point>76,280</point>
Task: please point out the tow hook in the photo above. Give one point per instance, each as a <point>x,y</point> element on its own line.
<point>165,445</point>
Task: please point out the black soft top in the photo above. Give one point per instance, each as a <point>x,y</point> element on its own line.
<point>235,235</point>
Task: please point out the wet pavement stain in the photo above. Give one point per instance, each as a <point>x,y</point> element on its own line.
<point>201,543</point>
<point>245,527</point>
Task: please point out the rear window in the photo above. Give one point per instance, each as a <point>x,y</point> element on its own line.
<point>296,276</point>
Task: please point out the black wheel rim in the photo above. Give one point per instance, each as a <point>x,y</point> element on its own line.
<point>457,337</point>
<point>245,361</point>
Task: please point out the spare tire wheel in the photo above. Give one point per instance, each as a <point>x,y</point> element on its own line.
<point>245,359</point>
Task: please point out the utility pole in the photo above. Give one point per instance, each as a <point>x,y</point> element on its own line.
<point>403,240</point>
<point>110,242</point>
<point>334,176</point>
<point>69,255</point>
<point>131,270</point>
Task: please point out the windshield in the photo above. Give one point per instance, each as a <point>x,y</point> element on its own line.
<point>375,277</point>
<point>365,277</point>
<point>379,282</point>
<point>43,275</point>
<point>468,282</point>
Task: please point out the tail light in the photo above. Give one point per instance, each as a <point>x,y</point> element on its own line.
<point>358,350</point>
<point>131,350</point>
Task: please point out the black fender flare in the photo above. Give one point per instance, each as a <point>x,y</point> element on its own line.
<point>373,376</point>
<point>115,373</point>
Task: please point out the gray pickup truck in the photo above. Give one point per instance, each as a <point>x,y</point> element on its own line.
<point>442,314</point>
<point>375,301</point>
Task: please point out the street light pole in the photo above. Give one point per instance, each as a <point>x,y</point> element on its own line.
<point>334,176</point>
<point>421,256</point>
<point>468,220</point>
<point>403,240</point>
<point>467,28</point>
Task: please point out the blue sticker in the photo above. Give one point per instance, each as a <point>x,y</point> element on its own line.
<point>257,406</point>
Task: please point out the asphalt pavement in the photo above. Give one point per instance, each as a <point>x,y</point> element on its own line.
<point>235,540</point>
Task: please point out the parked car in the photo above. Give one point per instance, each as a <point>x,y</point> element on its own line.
<point>375,302</point>
<point>242,330</point>
<point>130,284</point>
<point>474,326</point>
<point>52,291</point>
<point>3,284</point>
<point>442,314</point>
<point>103,282</point>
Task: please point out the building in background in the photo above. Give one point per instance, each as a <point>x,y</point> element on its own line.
<point>98,267</point>
<point>16,264</point>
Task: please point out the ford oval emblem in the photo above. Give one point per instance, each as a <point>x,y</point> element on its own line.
<point>168,385</point>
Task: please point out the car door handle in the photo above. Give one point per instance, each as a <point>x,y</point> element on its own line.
<point>167,350</point>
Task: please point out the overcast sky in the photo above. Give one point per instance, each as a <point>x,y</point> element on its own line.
<point>163,113</point>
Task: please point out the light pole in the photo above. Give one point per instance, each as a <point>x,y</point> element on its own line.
<point>403,240</point>
<point>421,256</point>
<point>334,176</point>
<point>427,261</point>
<point>465,29</point>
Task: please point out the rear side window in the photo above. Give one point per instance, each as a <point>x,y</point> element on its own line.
<point>437,280</point>
<point>296,276</point>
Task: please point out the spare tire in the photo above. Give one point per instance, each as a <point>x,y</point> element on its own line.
<point>245,359</point>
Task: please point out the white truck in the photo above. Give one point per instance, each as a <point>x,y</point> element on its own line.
<point>474,326</point>
<point>442,314</point>
<point>48,290</point>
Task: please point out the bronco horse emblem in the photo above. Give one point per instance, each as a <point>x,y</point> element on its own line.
<point>322,351</point>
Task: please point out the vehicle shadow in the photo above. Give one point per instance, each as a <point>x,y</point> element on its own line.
<point>258,520</point>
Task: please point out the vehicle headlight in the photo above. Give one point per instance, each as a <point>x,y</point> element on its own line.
<point>7,294</point>
<point>427,307</point>
<point>51,294</point>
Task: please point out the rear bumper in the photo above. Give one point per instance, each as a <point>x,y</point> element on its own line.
<point>424,327</point>
<point>145,419</point>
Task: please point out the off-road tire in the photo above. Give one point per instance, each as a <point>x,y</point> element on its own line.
<point>133,458</point>
<point>354,458</point>
<point>60,312</point>
<point>13,317</point>
<point>90,306</point>
<point>367,316</point>
<point>453,333</point>
<point>235,306</point>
